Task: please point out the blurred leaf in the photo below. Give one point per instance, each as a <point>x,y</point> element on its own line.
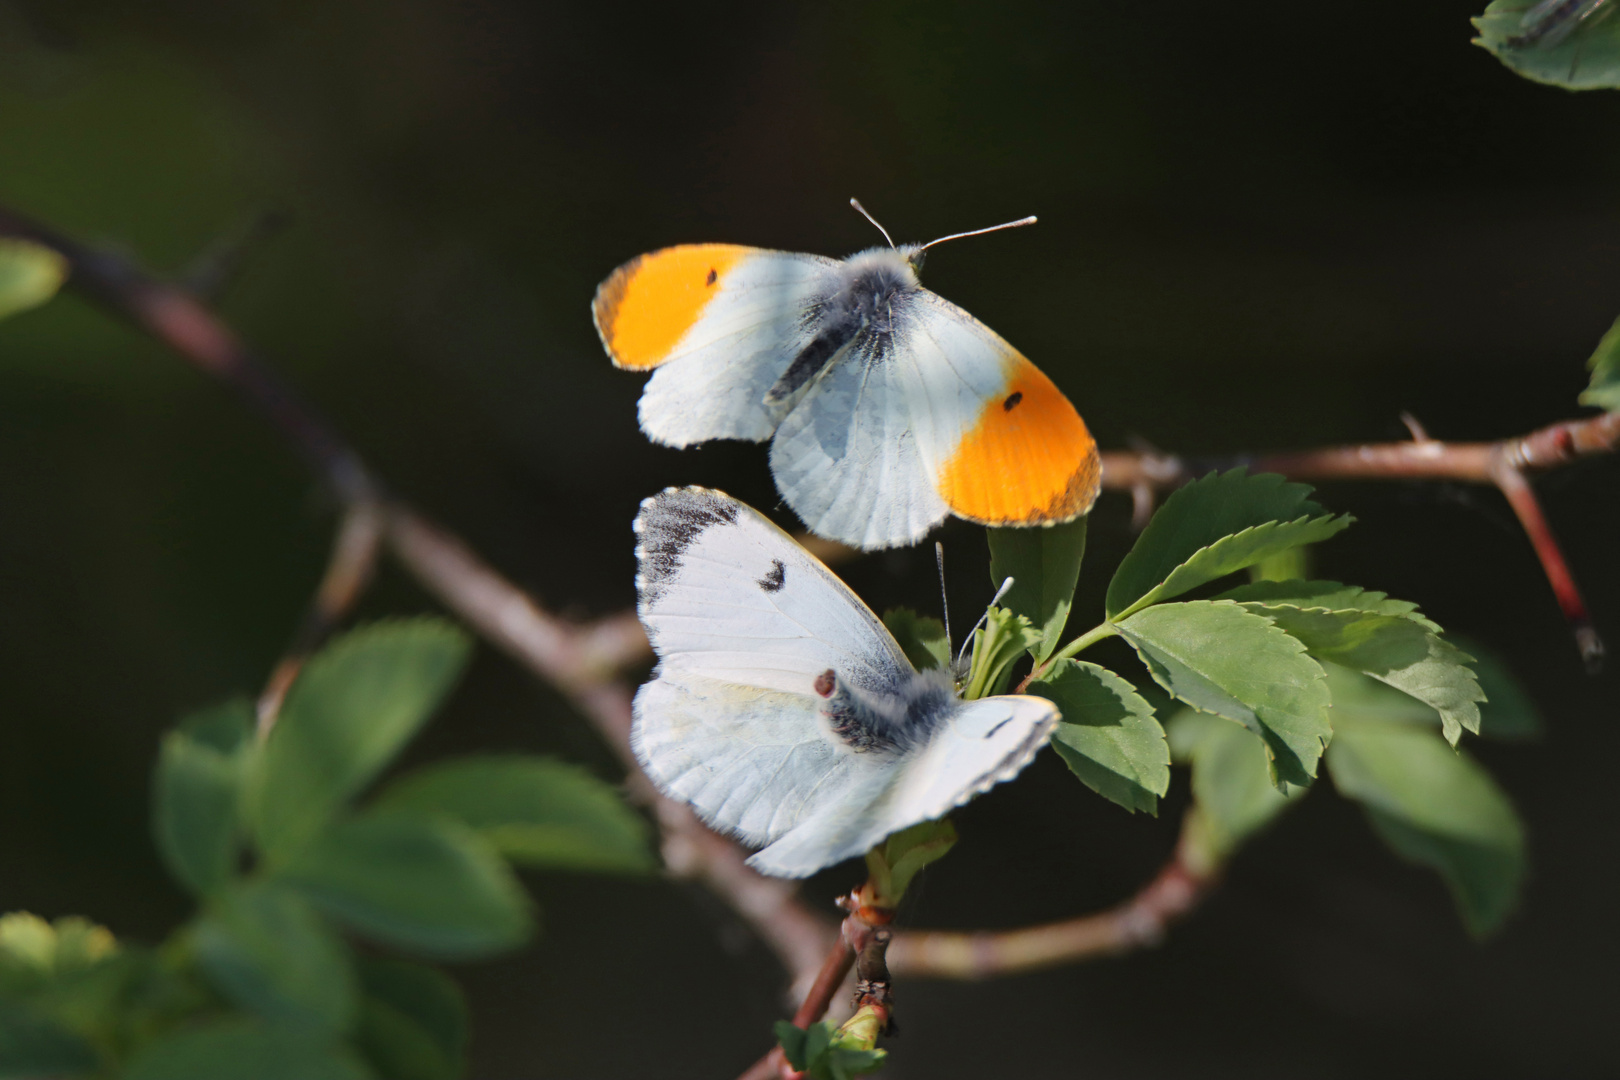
<point>34,952</point>
<point>196,795</point>
<point>1231,778</point>
<point>894,863</point>
<point>1393,649</point>
<point>1213,527</point>
<point>30,274</point>
<point>356,704</point>
<point>1603,391</point>
<point>413,1021</point>
<point>1002,639</point>
<point>1507,713</point>
<point>428,886</point>
<point>242,1049</point>
<point>1220,658</point>
<point>1437,807</point>
<point>921,638</point>
<point>33,1046</point>
<point>1108,736</point>
<point>267,950</point>
<point>1570,43</point>
<point>1044,564</point>
<point>533,810</point>
<point>792,1041</point>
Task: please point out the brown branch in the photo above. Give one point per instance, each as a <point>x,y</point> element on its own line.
<point>1143,920</point>
<point>348,572</point>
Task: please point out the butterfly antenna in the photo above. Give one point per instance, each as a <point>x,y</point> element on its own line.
<point>976,232</point>
<point>856,203</point>
<point>1005,586</point>
<point>944,601</point>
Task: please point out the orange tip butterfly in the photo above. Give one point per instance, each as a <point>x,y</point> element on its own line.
<point>889,408</point>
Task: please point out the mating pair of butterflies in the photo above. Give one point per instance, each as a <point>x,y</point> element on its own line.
<point>782,710</point>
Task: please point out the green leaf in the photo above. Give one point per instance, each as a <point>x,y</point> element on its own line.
<point>1220,658</point>
<point>30,274</point>
<point>1002,639</point>
<point>1437,807</point>
<point>428,886</point>
<point>413,1021</point>
<point>534,811</point>
<point>1108,737</point>
<point>267,950</point>
<point>241,1049</point>
<point>892,864</point>
<point>1044,564</point>
<point>1572,52</point>
<point>197,793</point>
<point>1507,714</point>
<point>921,638</point>
<point>792,1041</point>
<point>1231,779</point>
<point>1603,391</point>
<point>1388,639</point>
<point>34,952</point>
<point>34,1046</point>
<point>356,704</point>
<point>1213,527</point>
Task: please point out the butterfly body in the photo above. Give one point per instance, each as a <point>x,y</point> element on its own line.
<point>782,711</point>
<point>889,408</point>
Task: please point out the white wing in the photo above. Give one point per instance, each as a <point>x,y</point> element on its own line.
<point>744,622</point>
<point>859,456</point>
<point>713,385</point>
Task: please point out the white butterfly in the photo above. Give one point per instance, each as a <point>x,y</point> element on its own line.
<point>782,711</point>
<point>888,407</point>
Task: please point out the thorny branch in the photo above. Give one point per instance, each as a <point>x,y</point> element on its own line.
<point>587,661</point>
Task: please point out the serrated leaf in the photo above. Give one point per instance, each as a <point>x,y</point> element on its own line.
<point>997,644</point>
<point>1603,391</point>
<point>534,811</point>
<point>921,638</point>
<point>1044,564</point>
<point>241,1049</point>
<point>1570,43</point>
<point>1213,527</point>
<point>197,795</point>
<point>30,274</point>
<point>1221,658</point>
<point>1108,736</point>
<point>413,1021</point>
<point>34,1046</point>
<point>1437,807</point>
<point>1385,638</point>
<point>264,948</point>
<point>1231,778</point>
<point>429,886</point>
<point>354,707</point>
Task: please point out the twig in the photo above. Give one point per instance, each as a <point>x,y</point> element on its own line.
<point>348,572</point>
<point>1178,888</point>
<point>1522,497</point>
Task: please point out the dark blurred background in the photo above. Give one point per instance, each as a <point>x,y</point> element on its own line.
<point>1263,225</point>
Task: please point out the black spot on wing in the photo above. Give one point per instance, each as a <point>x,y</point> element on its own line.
<point>1012,399</point>
<point>668,524</point>
<point>710,280</point>
<point>773,581</point>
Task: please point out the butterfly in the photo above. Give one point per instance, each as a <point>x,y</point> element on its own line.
<point>782,710</point>
<point>889,408</point>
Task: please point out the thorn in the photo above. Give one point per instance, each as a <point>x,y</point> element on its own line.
<point>216,268</point>
<point>1419,435</point>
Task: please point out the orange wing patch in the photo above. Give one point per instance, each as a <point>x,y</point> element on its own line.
<point>1028,461</point>
<point>647,305</point>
